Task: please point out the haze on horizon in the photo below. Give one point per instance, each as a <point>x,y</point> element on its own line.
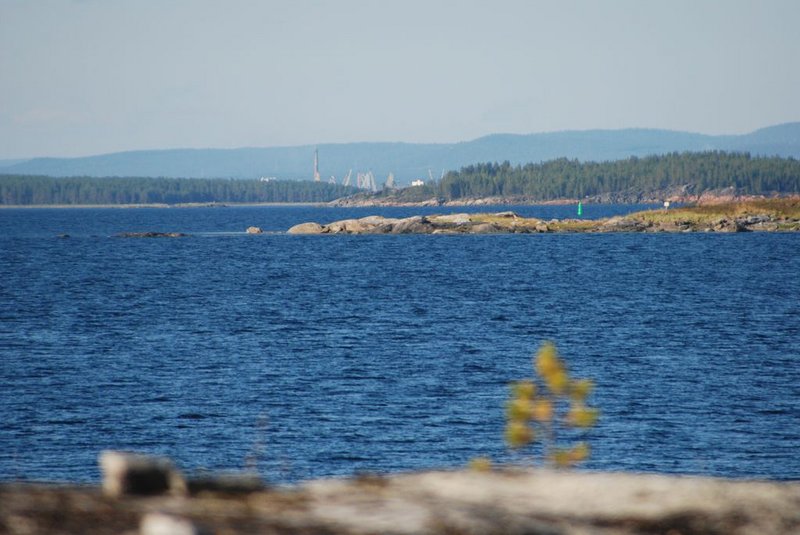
<point>83,77</point>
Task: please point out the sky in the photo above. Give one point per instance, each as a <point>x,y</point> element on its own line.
<point>84,77</point>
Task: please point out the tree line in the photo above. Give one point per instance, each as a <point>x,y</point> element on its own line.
<point>565,178</point>
<point>27,190</point>
<point>555,179</point>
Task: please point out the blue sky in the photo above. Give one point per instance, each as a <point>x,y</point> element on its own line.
<point>81,77</point>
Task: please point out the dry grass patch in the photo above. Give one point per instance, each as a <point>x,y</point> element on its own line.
<point>775,208</point>
<point>575,225</point>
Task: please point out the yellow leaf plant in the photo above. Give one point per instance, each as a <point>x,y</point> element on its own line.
<point>538,409</point>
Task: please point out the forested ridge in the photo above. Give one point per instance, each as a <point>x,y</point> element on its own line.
<point>30,190</point>
<point>564,178</point>
<point>410,161</point>
<point>556,179</point>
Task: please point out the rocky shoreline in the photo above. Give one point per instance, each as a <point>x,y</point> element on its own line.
<point>151,499</point>
<point>511,223</point>
<point>685,194</point>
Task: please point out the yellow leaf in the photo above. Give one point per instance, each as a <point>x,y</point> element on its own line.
<point>581,416</point>
<point>580,390</point>
<point>547,361</point>
<point>579,452</point>
<point>561,458</point>
<point>523,389</point>
<point>557,382</point>
<point>480,464</point>
<point>518,434</point>
<point>542,410</point>
<point>519,410</point>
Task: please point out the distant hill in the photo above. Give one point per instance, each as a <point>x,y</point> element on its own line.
<point>9,163</point>
<point>409,161</point>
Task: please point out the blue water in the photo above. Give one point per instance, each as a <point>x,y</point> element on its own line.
<point>333,355</point>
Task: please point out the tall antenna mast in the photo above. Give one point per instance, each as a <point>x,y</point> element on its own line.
<point>316,166</point>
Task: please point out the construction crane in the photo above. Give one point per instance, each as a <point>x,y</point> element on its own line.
<point>366,181</point>
<point>389,184</point>
<point>430,175</point>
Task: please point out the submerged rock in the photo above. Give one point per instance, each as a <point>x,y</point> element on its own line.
<point>151,235</point>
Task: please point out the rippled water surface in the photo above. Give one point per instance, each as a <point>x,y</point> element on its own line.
<point>330,355</point>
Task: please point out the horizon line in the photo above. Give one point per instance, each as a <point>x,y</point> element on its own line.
<point>23,159</point>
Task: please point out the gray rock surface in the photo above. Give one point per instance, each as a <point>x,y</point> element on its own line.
<point>484,228</point>
<point>435,503</point>
<point>622,224</point>
<point>306,228</point>
<point>456,219</point>
<point>413,225</point>
<point>509,222</point>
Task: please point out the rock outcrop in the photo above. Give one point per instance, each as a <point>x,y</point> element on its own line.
<point>306,228</point>
<point>623,224</point>
<point>254,230</point>
<point>438,224</point>
<point>463,502</point>
<point>682,220</point>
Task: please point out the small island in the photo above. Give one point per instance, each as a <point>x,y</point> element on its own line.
<point>765,215</point>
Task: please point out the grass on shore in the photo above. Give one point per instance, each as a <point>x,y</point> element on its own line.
<point>775,208</point>
<point>784,212</point>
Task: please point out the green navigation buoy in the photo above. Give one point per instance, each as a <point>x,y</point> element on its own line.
<point>580,208</point>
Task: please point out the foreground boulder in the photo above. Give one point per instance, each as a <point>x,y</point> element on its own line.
<point>136,474</point>
<point>463,502</point>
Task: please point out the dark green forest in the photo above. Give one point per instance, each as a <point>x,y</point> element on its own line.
<point>555,179</point>
<point>27,190</point>
<point>563,178</point>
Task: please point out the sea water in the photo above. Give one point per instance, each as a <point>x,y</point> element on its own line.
<point>312,356</point>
